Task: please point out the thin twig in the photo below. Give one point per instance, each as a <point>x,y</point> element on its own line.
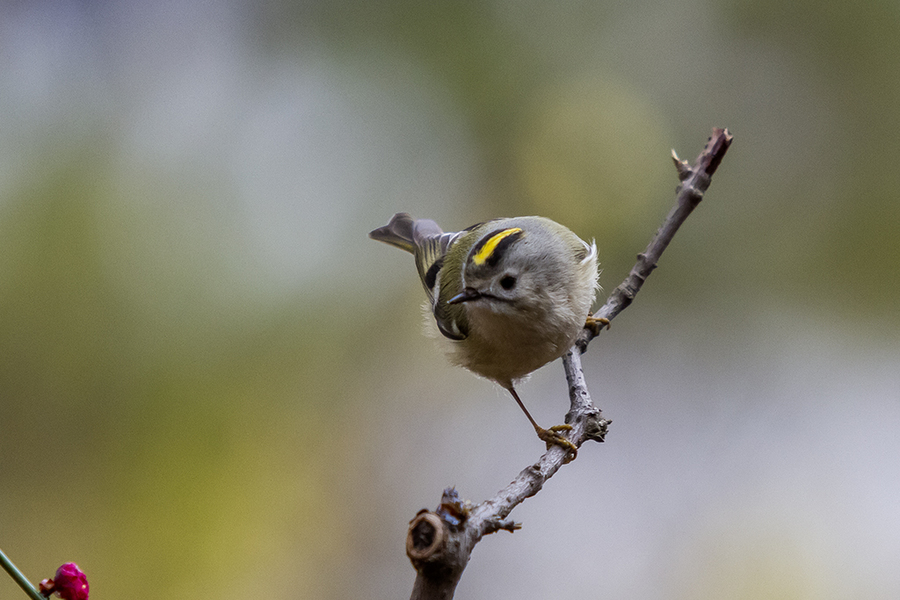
<point>18,577</point>
<point>695,180</point>
<point>440,543</point>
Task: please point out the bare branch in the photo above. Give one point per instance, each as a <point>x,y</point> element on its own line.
<point>440,543</point>
<point>695,180</point>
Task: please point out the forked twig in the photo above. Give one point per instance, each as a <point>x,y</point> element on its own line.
<point>439,543</point>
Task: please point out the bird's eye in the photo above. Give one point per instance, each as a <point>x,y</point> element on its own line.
<point>508,282</point>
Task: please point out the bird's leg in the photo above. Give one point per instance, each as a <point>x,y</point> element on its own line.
<point>552,435</point>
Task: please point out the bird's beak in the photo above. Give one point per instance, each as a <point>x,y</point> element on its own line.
<point>464,296</point>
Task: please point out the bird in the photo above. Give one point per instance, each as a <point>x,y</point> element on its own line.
<point>508,295</point>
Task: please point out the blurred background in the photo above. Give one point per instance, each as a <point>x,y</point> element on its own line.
<point>212,383</point>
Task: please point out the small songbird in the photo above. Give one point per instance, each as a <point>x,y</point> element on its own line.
<point>509,295</point>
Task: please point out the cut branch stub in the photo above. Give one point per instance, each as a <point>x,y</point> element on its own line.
<point>425,538</point>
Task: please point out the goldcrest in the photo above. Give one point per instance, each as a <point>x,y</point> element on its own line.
<point>509,295</point>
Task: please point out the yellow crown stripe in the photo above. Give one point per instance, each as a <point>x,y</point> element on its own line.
<point>491,244</point>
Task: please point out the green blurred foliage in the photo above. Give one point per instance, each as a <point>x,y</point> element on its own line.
<point>850,49</point>
<point>149,424</point>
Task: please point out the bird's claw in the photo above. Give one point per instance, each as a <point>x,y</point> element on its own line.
<point>552,437</point>
<point>596,324</point>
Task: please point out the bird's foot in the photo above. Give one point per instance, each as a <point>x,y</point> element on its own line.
<point>552,437</point>
<point>596,324</point>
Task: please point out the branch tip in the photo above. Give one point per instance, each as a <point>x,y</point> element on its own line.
<point>682,166</point>
<point>715,150</point>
